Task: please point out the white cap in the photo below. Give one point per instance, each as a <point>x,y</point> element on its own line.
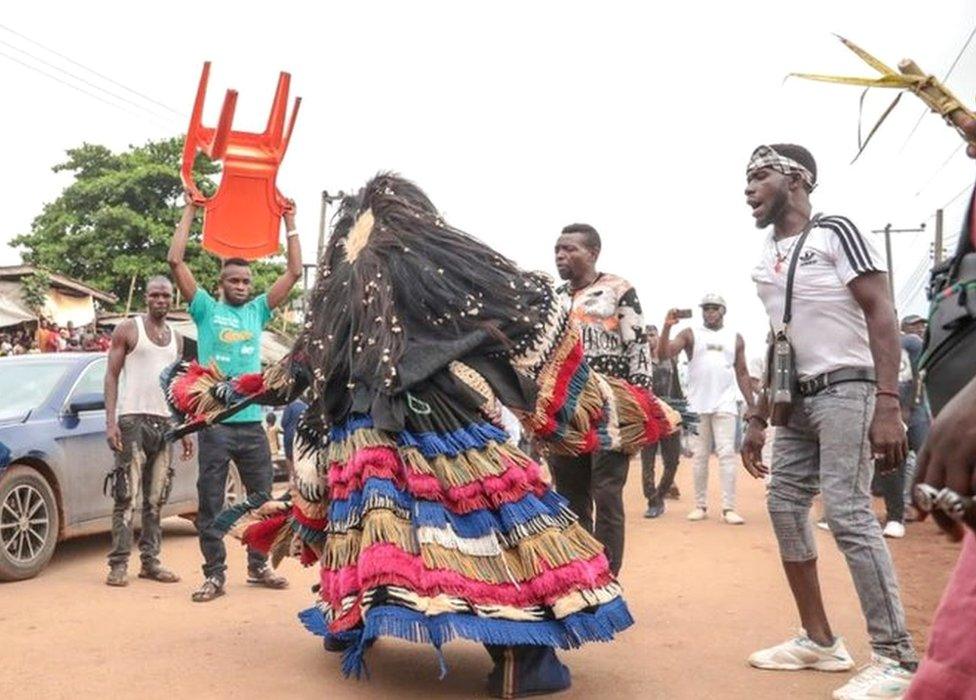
<point>712,300</point>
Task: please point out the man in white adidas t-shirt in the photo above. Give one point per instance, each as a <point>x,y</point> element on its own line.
<point>846,412</point>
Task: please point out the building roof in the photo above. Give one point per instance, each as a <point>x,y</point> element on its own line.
<point>67,284</point>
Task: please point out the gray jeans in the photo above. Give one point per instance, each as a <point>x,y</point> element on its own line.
<point>825,448</point>
<point>142,479</point>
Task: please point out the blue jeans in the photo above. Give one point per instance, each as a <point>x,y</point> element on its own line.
<point>825,448</point>
<point>247,445</point>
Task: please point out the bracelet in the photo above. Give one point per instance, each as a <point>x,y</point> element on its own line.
<point>293,232</point>
<point>888,392</point>
<point>756,416</point>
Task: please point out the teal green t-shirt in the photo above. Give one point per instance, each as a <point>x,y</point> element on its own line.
<point>230,337</point>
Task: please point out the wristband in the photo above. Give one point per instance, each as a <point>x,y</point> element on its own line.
<point>888,392</point>
<point>756,416</point>
<point>293,232</point>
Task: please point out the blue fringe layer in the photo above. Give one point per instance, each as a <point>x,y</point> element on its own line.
<point>477,523</point>
<point>600,625</point>
<point>475,436</point>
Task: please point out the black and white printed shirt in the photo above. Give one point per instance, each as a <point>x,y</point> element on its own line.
<point>828,330</point>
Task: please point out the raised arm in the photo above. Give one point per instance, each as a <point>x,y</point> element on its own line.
<point>177,251</point>
<point>742,373</point>
<point>887,433</point>
<point>667,348</point>
<point>293,272</point>
<point>123,340</point>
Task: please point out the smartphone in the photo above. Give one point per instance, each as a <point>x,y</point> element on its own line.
<point>684,313</point>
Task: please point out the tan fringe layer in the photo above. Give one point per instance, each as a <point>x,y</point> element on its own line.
<point>360,439</point>
<point>467,467</point>
<point>531,556</point>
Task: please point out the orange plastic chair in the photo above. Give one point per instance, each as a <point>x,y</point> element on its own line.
<point>243,218</point>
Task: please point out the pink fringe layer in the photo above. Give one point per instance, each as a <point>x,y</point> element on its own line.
<point>386,564</point>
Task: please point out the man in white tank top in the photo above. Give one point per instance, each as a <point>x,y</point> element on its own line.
<point>717,373</point>
<point>137,419</point>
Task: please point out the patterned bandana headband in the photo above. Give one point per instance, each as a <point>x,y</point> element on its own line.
<point>767,157</point>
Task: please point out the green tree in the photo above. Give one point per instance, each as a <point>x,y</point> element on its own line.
<point>115,220</point>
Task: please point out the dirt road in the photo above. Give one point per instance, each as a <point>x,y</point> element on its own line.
<point>705,595</point>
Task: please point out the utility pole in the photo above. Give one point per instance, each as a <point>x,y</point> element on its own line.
<point>327,199</point>
<point>887,231</point>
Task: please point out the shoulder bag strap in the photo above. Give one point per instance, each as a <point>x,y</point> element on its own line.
<point>791,273</point>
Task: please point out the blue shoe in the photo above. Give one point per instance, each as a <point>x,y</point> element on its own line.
<point>526,670</point>
<point>654,511</point>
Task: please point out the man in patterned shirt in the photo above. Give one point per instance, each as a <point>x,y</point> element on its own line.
<point>612,328</point>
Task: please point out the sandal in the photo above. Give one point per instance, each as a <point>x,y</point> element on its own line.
<point>210,588</point>
<point>159,574</point>
<point>266,577</point>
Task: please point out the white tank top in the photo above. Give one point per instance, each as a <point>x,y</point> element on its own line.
<point>711,372</point>
<point>139,389</point>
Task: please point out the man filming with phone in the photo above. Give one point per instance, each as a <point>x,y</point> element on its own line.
<point>716,365</point>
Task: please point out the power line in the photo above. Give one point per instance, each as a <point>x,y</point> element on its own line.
<point>944,78</point>
<point>90,70</point>
<point>84,80</point>
<point>939,169</point>
<point>71,85</point>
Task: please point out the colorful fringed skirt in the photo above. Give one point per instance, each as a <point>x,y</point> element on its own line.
<point>446,530</point>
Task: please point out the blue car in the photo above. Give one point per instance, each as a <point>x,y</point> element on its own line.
<point>52,424</point>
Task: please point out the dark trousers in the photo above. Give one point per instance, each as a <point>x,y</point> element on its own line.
<point>893,484</point>
<point>670,455</point>
<point>596,480</point>
<point>247,445</point>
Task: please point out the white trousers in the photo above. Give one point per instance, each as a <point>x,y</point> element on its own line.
<point>719,427</point>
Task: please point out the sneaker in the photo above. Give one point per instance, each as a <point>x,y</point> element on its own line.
<point>823,525</point>
<point>266,577</point>
<point>118,575</point>
<point>800,653</point>
<point>732,518</point>
<point>210,588</point>
<point>893,529</point>
<point>654,511</point>
<point>697,514</point>
<point>882,678</point>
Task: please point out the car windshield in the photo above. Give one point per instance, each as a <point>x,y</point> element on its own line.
<point>25,384</point>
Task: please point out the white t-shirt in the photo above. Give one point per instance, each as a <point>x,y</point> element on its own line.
<point>711,372</point>
<point>828,330</point>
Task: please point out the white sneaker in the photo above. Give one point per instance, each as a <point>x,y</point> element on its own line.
<point>800,653</point>
<point>894,529</point>
<point>882,678</point>
<point>697,514</point>
<point>732,518</point>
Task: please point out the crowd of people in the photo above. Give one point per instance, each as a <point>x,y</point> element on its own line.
<point>51,337</point>
<point>424,346</point>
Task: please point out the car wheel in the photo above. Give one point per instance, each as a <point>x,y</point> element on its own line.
<point>28,523</point>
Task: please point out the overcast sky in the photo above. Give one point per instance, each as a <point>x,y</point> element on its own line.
<point>521,117</point>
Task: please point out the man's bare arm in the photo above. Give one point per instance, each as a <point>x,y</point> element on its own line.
<point>177,251</point>
<point>123,341</point>
<point>742,373</point>
<point>887,430</point>
<point>293,272</point>
<point>667,348</point>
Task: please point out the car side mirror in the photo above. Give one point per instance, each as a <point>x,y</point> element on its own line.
<point>91,401</point>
